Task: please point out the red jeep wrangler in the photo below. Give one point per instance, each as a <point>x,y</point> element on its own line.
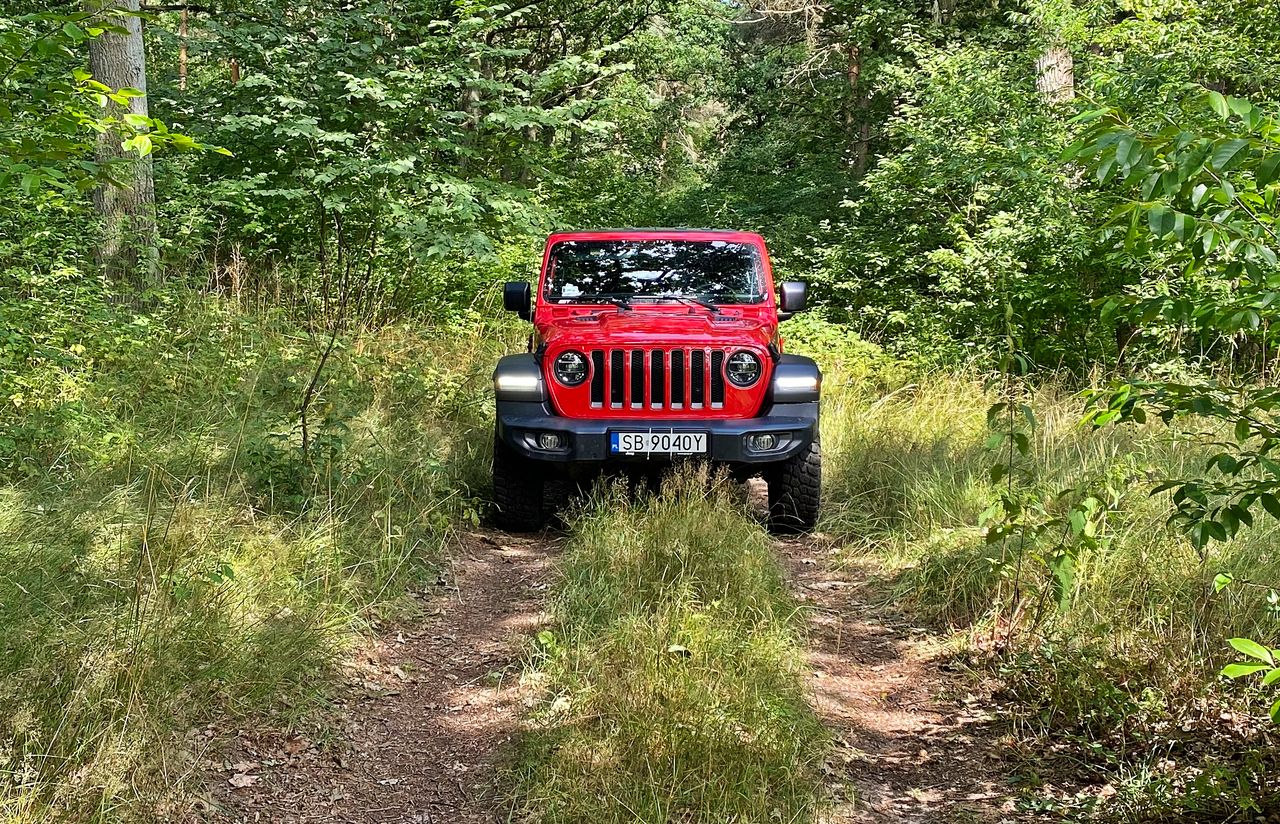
<point>650,345</point>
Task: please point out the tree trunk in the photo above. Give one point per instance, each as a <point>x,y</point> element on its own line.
<point>855,113</point>
<point>182,51</point>
<point>1055,75</point>
<point>127,248</point>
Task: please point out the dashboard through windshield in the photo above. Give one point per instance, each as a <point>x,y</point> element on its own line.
<point>644,271</point>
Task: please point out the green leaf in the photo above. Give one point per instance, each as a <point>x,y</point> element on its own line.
<point>1269,169</point>
<point>1221,581</point>
<point>1251,648</point>
<point>1275,711</point>
<point>1227,154</point>
<point>1271,677</point>
<point>1243,430</point>
<point>1241,670</point>
<point>1219,104</point>
<point>1161,220</point>
<point>1271,504</point>
<point>1197,195</point>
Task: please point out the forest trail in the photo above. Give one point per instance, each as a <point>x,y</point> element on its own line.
<point>913,738</point>
<point>432,707</point>
<point>427,713</point>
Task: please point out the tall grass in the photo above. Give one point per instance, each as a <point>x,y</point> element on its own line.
<point>170,556</point>
<point>672,670</point>
<point>1137,641</point>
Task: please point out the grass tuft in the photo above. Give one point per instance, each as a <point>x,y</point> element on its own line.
<point>673,671</point>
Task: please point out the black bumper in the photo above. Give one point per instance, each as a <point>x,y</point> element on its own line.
<point>519,422</point>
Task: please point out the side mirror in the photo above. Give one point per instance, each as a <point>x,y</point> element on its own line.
<point>793,297</point>
<point>518,297</point>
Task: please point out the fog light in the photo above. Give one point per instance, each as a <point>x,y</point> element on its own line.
<point>550,440</point>
<point>762,442</point>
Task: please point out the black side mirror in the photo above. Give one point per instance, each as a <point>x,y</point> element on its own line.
<point>794,296</point>
<point>518,297</point>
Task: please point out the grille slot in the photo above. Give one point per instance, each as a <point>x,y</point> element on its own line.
<point>717,379</point>
<point>677,378</point>
<point>698,379</point>
<point>597,377</point>
<point>637,379</point>
<point>657,378</point>
<point>617,378</point>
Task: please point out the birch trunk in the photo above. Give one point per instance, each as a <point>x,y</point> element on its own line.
<point>127,247</point>
<point>1055,75</point>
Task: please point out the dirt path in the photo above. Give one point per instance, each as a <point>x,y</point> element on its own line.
<point>427,711</point>
<point>913,739</point>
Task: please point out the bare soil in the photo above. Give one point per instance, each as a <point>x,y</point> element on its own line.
<point>916,738</point>
<point>428,709</point>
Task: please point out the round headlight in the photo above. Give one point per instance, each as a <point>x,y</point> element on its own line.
<point>570,368</point>
<point>742,368</point>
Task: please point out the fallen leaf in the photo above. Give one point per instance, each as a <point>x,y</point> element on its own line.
<point>241,780</point>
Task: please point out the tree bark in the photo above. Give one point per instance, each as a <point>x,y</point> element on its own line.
<point>182,51</point>
<point>855,114</point>
<point>127,247</point>
<point>1055,75</point>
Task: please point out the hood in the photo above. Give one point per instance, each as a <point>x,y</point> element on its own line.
<point>649,326</point>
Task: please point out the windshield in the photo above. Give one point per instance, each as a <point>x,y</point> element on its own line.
<point>638,271</point>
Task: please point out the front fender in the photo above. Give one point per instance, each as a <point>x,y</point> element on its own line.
<point>519,378</point>
<point>796,379</point>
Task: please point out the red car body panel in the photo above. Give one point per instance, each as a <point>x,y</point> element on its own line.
<point>650,335</point>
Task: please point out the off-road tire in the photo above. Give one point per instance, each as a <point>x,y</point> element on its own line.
<point>795,492</point>
<point>518,488</point>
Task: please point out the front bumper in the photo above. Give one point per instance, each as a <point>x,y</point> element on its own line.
<point>795,425</point>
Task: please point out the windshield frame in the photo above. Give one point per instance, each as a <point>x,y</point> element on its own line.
<point>758,262</point>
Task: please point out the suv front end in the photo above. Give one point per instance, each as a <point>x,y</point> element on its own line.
<point>650,346</point>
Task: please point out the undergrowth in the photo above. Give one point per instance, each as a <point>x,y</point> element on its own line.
<point>1118,650</point>
<point>170,555</point>
<point>672,671</point>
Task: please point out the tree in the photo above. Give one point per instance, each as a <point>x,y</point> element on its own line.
<point>127,248</point>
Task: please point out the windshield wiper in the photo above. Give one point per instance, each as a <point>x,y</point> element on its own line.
<point>693,301</point>
<point>613,300</point>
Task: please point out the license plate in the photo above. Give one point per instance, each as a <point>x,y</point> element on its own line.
<point>672,443</point>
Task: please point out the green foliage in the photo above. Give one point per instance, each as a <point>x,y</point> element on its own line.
<point>52,110</point>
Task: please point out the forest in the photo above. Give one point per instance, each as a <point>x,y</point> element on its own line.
<point>251,268</point>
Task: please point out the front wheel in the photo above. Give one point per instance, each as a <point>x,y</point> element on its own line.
<point>518,488</point>
<point>795,491</point>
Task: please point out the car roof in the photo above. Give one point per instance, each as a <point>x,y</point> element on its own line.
<point>656,234</point>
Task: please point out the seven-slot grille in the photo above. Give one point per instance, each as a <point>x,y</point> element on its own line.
<point>677,378</point>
